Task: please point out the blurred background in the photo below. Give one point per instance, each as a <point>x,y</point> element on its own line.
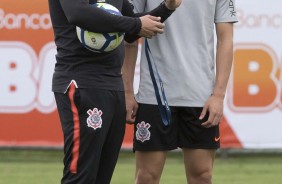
<point>30,134</point>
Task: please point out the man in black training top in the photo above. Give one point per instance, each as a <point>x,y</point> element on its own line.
<point>88,86</point>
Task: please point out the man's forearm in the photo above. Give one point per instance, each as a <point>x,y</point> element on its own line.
<point>160,11</point>
<point>224,58</point>
<point>93,16</point>
<point>128,68</point>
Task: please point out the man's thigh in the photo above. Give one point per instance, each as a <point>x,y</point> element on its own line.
<point>150,134</point>
<point>191,134</point>
<point>199,164</point>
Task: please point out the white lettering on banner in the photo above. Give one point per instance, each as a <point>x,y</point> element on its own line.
<point>25,79</point>
<point>33,21</point>
<point>248,20</point>
<point>46,102</point>
<point>24,83</point>
<point>18,88</point>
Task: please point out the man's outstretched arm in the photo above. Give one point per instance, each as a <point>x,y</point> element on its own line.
<point>224,58</point>
<point>128,70</point>
<point>163,11</point>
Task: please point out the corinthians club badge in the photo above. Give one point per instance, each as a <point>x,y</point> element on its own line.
<point>143,134</point>
<point>94,120</point>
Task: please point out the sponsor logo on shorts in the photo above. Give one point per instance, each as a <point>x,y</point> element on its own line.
<point>216,139</point>
<point>143,134</point>
<point>94,120</point>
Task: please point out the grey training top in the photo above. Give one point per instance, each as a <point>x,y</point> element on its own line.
<point>184,53</point>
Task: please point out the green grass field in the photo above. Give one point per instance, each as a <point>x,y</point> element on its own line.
<point>45,167</point>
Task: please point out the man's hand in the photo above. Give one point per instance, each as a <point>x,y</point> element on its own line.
<point>151,26</point>
<point>131,108</point>
<point>172,4</point>
<point>214,106</point>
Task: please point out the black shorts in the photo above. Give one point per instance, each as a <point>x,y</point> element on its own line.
<point>93,124</point>
<point>184,131</point>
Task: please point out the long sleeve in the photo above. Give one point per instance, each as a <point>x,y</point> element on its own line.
<point>160,11</point>
<point>86,16</point>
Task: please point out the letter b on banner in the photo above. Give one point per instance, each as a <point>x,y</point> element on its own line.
<point>17,85</point>
<point>254,77</point>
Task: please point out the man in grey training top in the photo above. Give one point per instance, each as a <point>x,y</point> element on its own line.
<point>194,82</point>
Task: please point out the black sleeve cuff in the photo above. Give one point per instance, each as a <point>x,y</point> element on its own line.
<point>161,11</point>
<point>131,37</point>
<point>137,26</point>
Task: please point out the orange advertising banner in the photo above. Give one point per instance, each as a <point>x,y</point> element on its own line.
<point>25,22</point>
<point>28,114</point>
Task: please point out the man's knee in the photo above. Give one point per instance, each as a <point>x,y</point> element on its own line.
<point>145,177</point>
<point>204,177</point>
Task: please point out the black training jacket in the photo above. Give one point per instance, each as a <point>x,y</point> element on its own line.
<point>74,62</point>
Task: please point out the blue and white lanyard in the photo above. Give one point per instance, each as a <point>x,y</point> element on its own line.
<point>165,111</point>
